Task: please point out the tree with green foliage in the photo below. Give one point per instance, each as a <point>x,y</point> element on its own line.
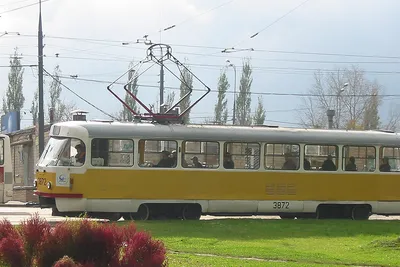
<point>243,100</point>
<point>14,98</point>
<point>186,86</point>
<point>371,113</point>
<point>133,88</point>
<point>221,110</point>
<point>35,107</point>
<point>61,109</point>
<point>259,116</point>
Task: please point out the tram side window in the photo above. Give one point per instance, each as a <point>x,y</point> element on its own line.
<point>359,158</point>
<point>389,159</point>
<point>242,156</point>
<point>112,152</point>
<point>320,157</point>
<point>282,156</point>
<point>1,151</point>
<point>200,154</point>
<point>157,153</point>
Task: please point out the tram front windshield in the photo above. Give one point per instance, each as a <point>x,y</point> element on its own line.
<point>60,151</point>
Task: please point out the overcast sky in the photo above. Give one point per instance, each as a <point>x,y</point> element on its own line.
<point>203,29</point>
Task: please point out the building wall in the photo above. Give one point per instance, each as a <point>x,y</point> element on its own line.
<point>24,155</point>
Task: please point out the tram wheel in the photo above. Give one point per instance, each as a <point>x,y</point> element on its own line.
<point>142,214</point>
<point>191,212</point>
<point>361,212</point>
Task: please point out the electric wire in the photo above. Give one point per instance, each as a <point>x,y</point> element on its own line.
<point>232,92</point>
<point>274,22</point>
<point>21,7</point>
<point>80,97</point>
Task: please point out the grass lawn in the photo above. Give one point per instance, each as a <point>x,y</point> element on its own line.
<point>300,242</point>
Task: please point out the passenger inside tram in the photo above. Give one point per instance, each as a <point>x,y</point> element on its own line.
<point>351,166</point>
<point>196,163</point>
<point>228,162</point>
<point>289,162</point>
<point>307,164</point>
<point>166,161</point>
<point>328,164</point>
<point>174,159</point>
<point>385,167</point>
<point>80,153</point>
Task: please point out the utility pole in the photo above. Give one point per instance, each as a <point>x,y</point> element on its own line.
<point>162,85</point>
<point>162,88</point>
<point>40,59</point>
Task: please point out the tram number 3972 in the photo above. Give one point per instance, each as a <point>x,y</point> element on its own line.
<point>279,205</point>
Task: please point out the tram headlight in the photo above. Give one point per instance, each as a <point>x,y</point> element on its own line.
<point>48,185</point>
<point>35,183</point>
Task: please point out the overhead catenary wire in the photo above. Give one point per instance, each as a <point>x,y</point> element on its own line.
<point>274,22</point>
<point>221,48</point>
<point>80,97</point>
<point>231,92</point>
<point>196,16</point>
<point>22,66</point>
<point>22,7</point>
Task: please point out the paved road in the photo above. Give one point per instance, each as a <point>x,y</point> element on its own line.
<point>17,214</point>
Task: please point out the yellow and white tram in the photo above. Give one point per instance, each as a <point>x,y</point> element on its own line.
<point>145,170</point>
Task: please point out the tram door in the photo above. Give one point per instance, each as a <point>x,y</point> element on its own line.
<point>6,178</point>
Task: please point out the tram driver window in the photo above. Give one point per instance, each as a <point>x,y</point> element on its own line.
<point>157,153</point>
<point>359,158</point>
<point>112,152</point>
<point>389,159</point>
<point>241,156</point>
<point>69,151</point>
<point>282,156</point>
<point>320,157</point>
<point>200,154</point>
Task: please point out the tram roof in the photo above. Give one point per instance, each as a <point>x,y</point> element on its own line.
<point>232,133</point>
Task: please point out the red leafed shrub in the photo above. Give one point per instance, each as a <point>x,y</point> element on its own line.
<point>12,252</point>
<point>34,231</point>
<point>98,243</point>
<point>66,262</point>
<point>142,251</point>
<point>7,230</point>
<point>81,243</point>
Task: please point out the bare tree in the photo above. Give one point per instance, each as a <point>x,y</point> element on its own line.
<point>393,122</point>
<point>170,99</point>
<point>354,98</point>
